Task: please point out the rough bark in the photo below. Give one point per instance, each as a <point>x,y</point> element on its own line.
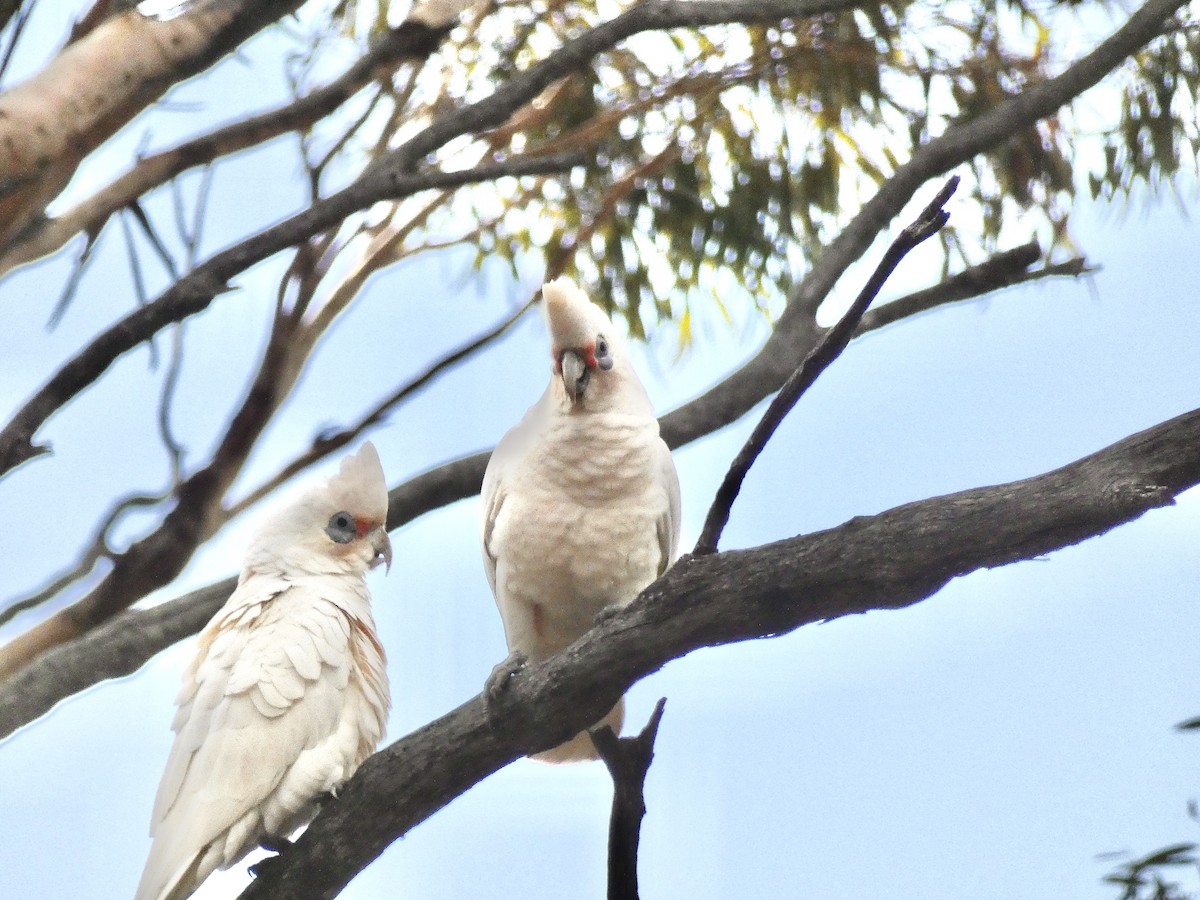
<point>794,335</point>
<point>888,561</point>
<point>390,177</point>
<point>628,761</point>
<point>98,83</point>
<point>125,643</point>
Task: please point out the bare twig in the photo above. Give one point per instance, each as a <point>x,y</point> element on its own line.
<point>43,685</point>
<point>156,242</point>
<point>887,561</point>
<point>834,341</point>
<point>196,290</point>
<point>762,374</point>
<point>170,381</point>
<point>325,444</point>
<point>628,760</point>
<point>97,550</point>
<point>1001,271</point>
<point>7,10</point>
<point>72,285</point>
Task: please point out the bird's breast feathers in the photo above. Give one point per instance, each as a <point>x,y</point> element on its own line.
<point>597,498</point>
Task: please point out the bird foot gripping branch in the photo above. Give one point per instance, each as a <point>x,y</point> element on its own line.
<point>495,689</point>
<point>288,693</point>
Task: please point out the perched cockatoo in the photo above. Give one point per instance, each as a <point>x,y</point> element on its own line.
<point>580,499</point>
<point>287,694</point>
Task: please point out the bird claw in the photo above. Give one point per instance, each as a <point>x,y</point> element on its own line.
<point>274,844</point>
<point>496,687</point>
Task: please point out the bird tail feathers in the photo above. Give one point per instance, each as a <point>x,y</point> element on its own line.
<point>157,884</point>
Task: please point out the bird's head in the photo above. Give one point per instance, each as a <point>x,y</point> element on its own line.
<point>339,526</point>
<point>588,354</point>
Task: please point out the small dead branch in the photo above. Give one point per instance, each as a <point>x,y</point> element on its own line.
<point>830,347</point>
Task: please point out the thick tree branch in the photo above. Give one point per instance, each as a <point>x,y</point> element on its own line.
<point>888,561</point>
<point>98,83</point>
<point>411,40</point>
<point>120,646</point>
<point>196,290</point>
<point>793,337</point>
<point>828,348</point>
<point>391,177</point>
<point>763,373</point>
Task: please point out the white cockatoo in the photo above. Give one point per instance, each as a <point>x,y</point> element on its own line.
<point>580,499</point>
<point>287,694</point>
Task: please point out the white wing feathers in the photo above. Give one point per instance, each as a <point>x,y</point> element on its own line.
<point>669,521</point>
<point>286,698</point>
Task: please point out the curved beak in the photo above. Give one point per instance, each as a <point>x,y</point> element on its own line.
<point>382,544</point>
<point>575,374</point>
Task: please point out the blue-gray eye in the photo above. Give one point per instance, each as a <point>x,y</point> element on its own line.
<point>603,353</point>
<point>342,528</point>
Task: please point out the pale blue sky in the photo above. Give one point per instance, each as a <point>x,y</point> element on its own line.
<point>989,742</point>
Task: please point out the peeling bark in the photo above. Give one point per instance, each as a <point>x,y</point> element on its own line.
<point>97,84</point>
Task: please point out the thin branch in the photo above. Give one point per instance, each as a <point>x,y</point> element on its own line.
<point>441,485</point>
<point>628,760</point>
<point>7,11</point>
<point>649,15</point>
<point>831,345</point>
<point>98,549</point>
<point>793,331</point>
<point>72,285</point>
<point>794,334</point>
<point>170,382</point>
<point>156,242</point>
<point>887,561</point>
<point>196,290</point>
<point>135,268</point>
<point>1003,270</point>
<point>325,444</point>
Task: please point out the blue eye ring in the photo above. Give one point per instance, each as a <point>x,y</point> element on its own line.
<point>342,528</point>
<point>604,360</point>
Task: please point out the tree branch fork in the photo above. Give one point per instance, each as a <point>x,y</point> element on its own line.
<point>887,561</point>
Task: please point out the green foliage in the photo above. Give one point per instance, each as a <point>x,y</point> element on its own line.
<point>1158,135</point>
<point>1150,878</point>
<point>727,157</point>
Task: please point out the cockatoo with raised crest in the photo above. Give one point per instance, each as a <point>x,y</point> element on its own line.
<point>580,499</point>
<point>287,694</point>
